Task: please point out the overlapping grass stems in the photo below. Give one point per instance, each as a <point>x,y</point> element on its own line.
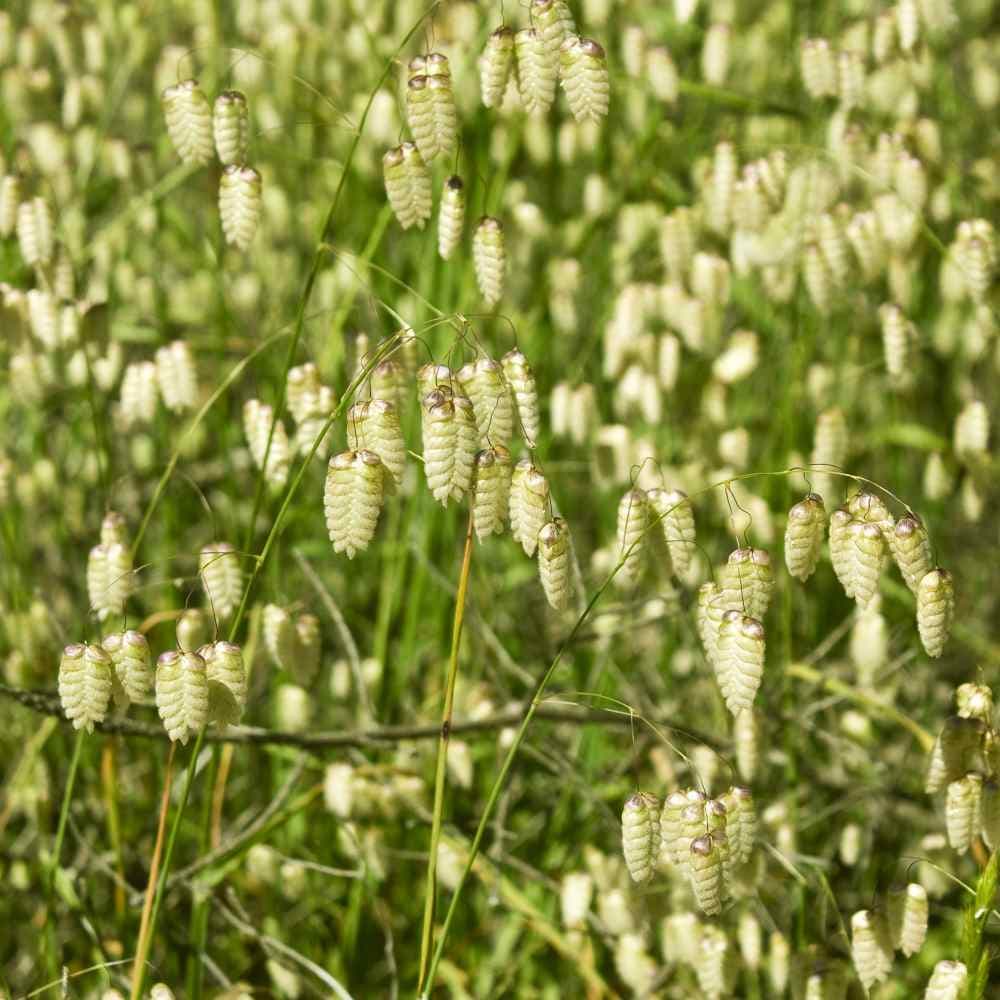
<point>974,951</point>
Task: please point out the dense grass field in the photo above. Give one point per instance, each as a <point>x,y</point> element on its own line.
<point>309,688</point>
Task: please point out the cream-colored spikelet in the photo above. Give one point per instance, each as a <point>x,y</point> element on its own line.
<point>898,337</point>
<point>129,652</point>
<point>641,835</point>
<point>227,682</point>
<point>374,424</point>
<point>85,683</point>
<point>871,509</point>
<point>407,185</point>
<point>907,912</point>
<point>110,580</point>
<point>971,433</point>
<point>316,423</point>
<point>192,629</point>
<point>450,441</point>
<point>633,521</point>
<point>35,231</point>
<point>257,420</point>
<point>740,660</point>
<point>231,127</point>
<point>935,610</point>
<point>554,562</point>
<point>422,116</point>
<point>139,394</point>
<point>352,499</point>
<point>189,121</point>
<point>705,867</point>
<point>747,740</point>
<point>955,751</point>
<point>521,380</point>
<point>10,200</point>
<point>672,829</point>
<point>301,387</point>
<point>176,375</point>
<point>747,582</point>
<point>389,381</point>
<point>947,981</point>
<point>961,810</point>
<point>708,617</point>
<point>279,636</point>
<point>818,66</point>
<point>742,820</point>
<point>867,550</point>
<point>583,71</point>
<point>239,204</point>
<point>804,536</point>
<point>553,20</point>
<point>841,548</point>
<point>451,216</point>
<point>182,694</point>
<point>537,70</point>
<point>717,821</point>
<point>974,701</point>
<point>830,442</point>
<point>675,514</point>
<point>43,318</point>
<point>432,377</point>
<point>491,491</point>
<point>222,577</point>
<point>871,948</point>
<point>495,66</point>
<point>489,258</point>
<point>911,548</point>
<point>529,504</point>
<point>486,387</point>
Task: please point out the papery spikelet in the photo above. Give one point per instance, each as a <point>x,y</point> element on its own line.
<point>583,71</point>
<point>43,317</point>
<point>935,610</point>
<point>871,509</point>
<point>352,499</point>
<point>451,216</point>
<point>231,127</point>
<point>911,548</point>
<point>818,66</point>
<point>554,562</point>
<point>139,394</point>
<point>407,185</point>
<point>279,636</point>
<point>747,582</point>
<point>705,866</point>
<point>633,520</point>
<point>947,981</point>
<point>175,373</point>
<point>430,112</point>
<point>898,337</point>
<point>222,577</point>
<point>489,258</point>
<point>34,231</point>
<point>521,380</point>
<point>189,121</point>
<point>491,491</point>
<point>804,536</point>
<point>672,829</point>
<point>374,424</point>
<point>239,204</point>
<point>129,652</point>
<point>641,835</point>
<point>972,430</point>
<point>301,386</point>
<point>182,694</point>
<point>389,381</point>
<point>440,429</point>
<point>192,630</point>
<point>742,820</point>
<point>907,912</point>
<point>486,386</point>
<point>85,684</point>
<point>739,660</point>
<point>110,580</point>
<point>867,550</point>
<point>495,65</point>
<point>675,515</point>
<point>258,418</point>
<point>841,549</point>
<point>10,199</point>
<point>315,423</point>
<point>553,20</point>
<point>955,751</point>
<point>746,737</point>
<point>537,70</point>
<point>871,949</point>
<point>829,449</point>
<point>974,701</point>
<point>961,810</point>
<point>713,964</point>
<point>710,610</point>
<point>227,682</point>
<point>529,504</point>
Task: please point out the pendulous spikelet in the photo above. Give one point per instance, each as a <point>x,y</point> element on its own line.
<point>489,258</point>
<point>239,204</point>
<point>35,231</point>
<point>227,682</point>
<point>521,380</point>
<point>935,610</point>
<point>554,562</point>
<point>804,536</point>
<point>85,684</point>
<point>222,577</point>
<point>954,751</point>
<point>907,911</point>
<point>633,520</point>
<point>110,580</point>
<point>962,810</point>
<point>182,694</point>
<point>871,949</point>
<point>537,70</point>
<point>705,866</point>
<point>231,127</point>
<point>841,548</point>
<point>583,71</point>
<point>407,185</point>
<point>673,511</point>
<point>867,549</point>
<point>530,505</point>
<point>176,376</point>
<point>491,491</point>
<point>739,660</point>
<point>129,652</point>
<point>911,548</point>
<point>451,216</point>
<point>189,122</point>
<point>495,66</point>
<point>374,424</point>
<point>430,108</point>
<point>486,386</point>
<point>641,835</point>
<point>352,499</point>
<point>947,981</point>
